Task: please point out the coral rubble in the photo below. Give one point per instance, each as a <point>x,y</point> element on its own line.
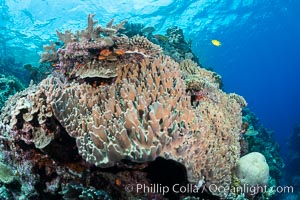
<point>119,102</point>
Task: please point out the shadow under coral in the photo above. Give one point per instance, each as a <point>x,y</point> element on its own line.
<point>59,167</point>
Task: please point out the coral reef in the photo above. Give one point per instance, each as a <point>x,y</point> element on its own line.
<point>73,191</point>
<point>132,29</point>
<point>10,67</point>
<point>37,74</point>
<point>192,73</point>
<point>13,78</point>
<point>172,43</point>
<point>262,141</point>
<point>115,99</point>
<point>9,85</point>
<point>255,138</point>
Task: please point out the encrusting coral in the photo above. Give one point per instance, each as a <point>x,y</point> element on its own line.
<point>121,99</point>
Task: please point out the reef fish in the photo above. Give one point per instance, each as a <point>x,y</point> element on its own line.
<point>148,30</point>
<point>161,37</point>
<point>119,52</point>
<point>216,42</point>
<point>105,52</point>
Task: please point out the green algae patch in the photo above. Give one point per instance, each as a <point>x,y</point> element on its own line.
<point>6,174</point>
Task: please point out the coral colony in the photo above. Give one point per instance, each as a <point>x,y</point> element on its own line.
<point>118,102</point>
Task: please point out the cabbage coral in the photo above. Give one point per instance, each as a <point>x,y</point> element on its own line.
<point>136,105</point>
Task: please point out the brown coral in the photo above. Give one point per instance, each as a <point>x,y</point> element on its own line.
<point>145,112</point>
<point>28,117</point>
<point>189,67</point>
<point>50,54</point>
<point>142,44</point>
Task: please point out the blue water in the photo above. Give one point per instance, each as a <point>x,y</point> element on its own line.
<point>263,64</point>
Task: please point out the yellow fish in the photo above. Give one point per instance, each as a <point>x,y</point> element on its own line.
<point>216,43</point>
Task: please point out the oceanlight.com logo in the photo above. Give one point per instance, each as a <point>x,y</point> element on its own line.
<point>190,188</point>
<point>250,189</point>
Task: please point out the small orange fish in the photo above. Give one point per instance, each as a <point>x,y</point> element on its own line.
<point>55,65</point>
<point>118,182</point>
<point>101,57</point>
<point>105,52</point>
<point>94,84</point>
<point>198,97</point>
<point>119,52</point>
